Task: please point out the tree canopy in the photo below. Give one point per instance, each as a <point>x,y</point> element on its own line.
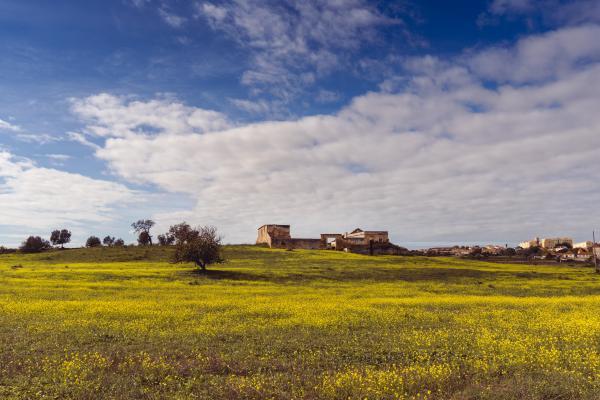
<point>201,245</point>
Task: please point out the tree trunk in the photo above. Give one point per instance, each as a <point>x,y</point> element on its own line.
<point>201,265</point>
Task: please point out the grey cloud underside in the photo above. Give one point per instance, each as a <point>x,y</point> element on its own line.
<point>444,158</point>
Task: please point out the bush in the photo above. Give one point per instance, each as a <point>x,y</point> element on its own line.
<point>34,244</point>
<point>6,250</point>
<point>93,241</point>
<point>108,241</point>
<point>166,239</point>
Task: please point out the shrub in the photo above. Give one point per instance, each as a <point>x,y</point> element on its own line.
<point>108,241</point>
<point>93,241</point>
<point>166,239</point>
<point>34,244</point>
<point>6,250</point>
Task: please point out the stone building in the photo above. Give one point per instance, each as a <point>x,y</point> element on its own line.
<point>357,241</point>
<point>279,237</point>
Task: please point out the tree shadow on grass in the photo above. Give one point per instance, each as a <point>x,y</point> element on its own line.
<point>369,274</point>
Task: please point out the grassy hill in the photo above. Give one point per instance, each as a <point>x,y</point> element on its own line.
<point>128,324</point>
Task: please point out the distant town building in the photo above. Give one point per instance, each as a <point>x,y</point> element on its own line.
<point>547,243</point>
<point>583,245</point>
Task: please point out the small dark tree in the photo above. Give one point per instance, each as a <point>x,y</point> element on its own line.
<point>143,226</point>
<point>60,237</point>
<point>34,244</point>
<point>93,241</point>
<point>144,239</point>
<point>166,239</point>
<point>109,241</point>
<point>201,246</point>
<point>119,243</point>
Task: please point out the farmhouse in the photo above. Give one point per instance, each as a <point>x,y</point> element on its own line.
<point>357,241</point>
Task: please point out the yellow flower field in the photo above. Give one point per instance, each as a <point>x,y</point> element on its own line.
<point>271,324</point>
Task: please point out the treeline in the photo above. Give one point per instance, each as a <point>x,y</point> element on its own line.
<point>60,237</point>
<point>200,245</point>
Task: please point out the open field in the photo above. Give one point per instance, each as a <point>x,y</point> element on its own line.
<point>127,324</point>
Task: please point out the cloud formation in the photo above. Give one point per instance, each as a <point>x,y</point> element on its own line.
<point>291,43</point>
<point>554,12</point>
<point>7,126</point>
<point>451,150</point>
<point>43,198</point>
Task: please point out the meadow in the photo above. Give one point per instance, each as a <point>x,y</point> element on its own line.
<point>272,324</point>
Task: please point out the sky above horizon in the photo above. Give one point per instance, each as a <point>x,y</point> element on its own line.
<point>442,122</point>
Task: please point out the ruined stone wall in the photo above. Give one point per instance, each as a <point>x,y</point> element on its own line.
<point>380,237</point>
<point>293,243</point>
<point>307,244</point>
<point>267,233</point>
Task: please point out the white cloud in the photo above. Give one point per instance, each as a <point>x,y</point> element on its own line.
<point>555,12</point>
<point>540,57</point>
<point>81,139</point>
<point>253,107</point>
<point>288,39</point>
<point>139,3</point>
<point>42,198</point>
<point>175,21</point>
<point>327,96</point>
<point>511,6</point>
<point>112,116</point>
<point>20,134</point>
<point>440,156</point>
<point>4,125</point>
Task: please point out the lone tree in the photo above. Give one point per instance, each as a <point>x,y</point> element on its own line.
<point>201,246</point>
<point>60,237</point>
<point>109,241</point>
<point>34,244</point>
<point>144,239</point>
<point>93,241</point>
<point>142,227</point>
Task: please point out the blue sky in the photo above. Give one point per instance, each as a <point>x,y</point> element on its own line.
<point>467,121</point>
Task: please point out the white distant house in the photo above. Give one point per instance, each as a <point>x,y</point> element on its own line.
<point>583,245</point>
<point>547,243</point>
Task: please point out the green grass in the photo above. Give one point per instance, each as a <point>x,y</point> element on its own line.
<point>127,324</point>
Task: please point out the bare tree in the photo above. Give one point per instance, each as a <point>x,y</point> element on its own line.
<point>201,246</point>
<point>142,227</point>
<point>60,237</point>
